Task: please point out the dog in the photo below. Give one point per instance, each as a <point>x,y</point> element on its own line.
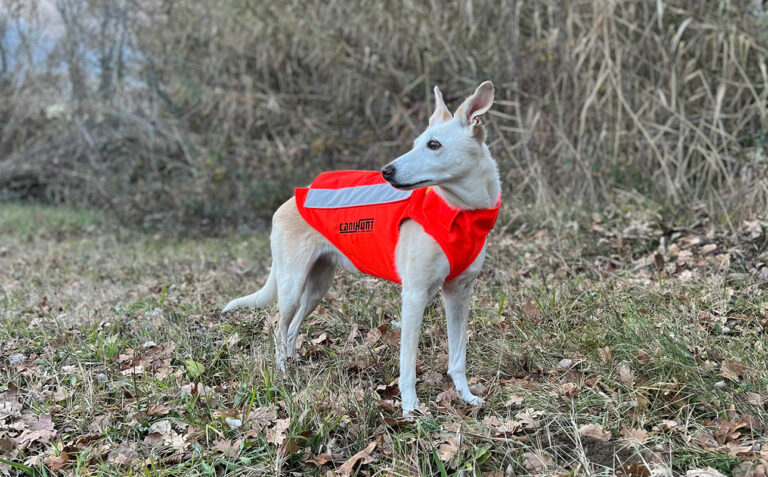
<point>451,166</point>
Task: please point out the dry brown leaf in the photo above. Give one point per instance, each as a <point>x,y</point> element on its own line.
<point>228,448</point>
<point>502,429</point>
<point>322,339</point>
<point>294,443</point>
<point>668,424</point>
<point>636,469</point>
<point>60,394</point>
<point>537,461</point>
<point>122,456</point>
<point>322,459</point>
<point>261,417</point>
<point>278,433</point>
<point>363,457</point>
<point>626,375</point>
<point>154,439</point>
<point>41,430</point>
<point>750,469</point>
<point>732,369</point>
<point>58,462</point>
<point>605,354</point>
<point>515,400</point>
<point>595,431</point>
<point>388,391</point>
<point>728,431</point>
<point>643,357</point>
<point>528,418</point>
<point>448,448</point>
<point>755,399</point>
<point>635,437</point>
<point>446,397</point>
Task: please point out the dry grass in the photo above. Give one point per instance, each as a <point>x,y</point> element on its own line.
<point>577,327</point>
<point>216,113</point>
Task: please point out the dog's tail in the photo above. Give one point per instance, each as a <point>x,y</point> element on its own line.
<point>263,297</point>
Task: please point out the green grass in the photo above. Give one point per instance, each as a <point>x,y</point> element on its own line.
<point>78,291</point>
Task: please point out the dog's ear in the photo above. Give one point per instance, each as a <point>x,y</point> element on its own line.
<point>476,105</point>
<point>441,114</point>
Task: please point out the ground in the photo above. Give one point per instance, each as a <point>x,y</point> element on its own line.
<point>612,343</point>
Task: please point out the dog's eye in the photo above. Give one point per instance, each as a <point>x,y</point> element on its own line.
<point>434,145</point>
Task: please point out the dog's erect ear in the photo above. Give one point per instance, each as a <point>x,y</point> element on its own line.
<point>441,113</point>
<point>476,105</point>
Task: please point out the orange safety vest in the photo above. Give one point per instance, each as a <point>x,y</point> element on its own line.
<point>360,214</point>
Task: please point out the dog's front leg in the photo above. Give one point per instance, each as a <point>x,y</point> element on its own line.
<point>456,297</point>
<point>412,315</point>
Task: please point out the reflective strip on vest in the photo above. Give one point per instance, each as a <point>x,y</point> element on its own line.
<point>352,196</point>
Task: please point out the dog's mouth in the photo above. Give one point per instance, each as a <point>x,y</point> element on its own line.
<point>412,186</point>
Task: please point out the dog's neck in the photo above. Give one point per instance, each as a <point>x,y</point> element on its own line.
<point>477,190</point>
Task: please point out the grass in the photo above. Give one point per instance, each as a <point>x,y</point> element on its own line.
<point>570,327</point>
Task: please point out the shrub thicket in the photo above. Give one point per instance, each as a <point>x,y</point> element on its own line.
<point>209,112</point>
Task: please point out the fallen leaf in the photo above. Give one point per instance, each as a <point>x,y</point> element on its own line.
<point>363,457</point>
<point>605,354</point>
<point>728,431</point>
<point>41,430</point>
<point>388,391</point>
<point>636,469</point>
<point>58,462</point>
<point>448,448</point>
<point>595,431</point>
<point>514,400</point>
<point>537,461</point>
<point>294,443</point>
<point>732,369</point>
<point>643,357</point>
<point>262,417</point>
<point>60,394</point>
<point>635,437</point>
<point>755,399</point>
<point>322,339</point>
<point>322,459</point>
<point>750,469</point>
<point>277,433</point>
<point>226,447</point>
<point>122,456</point>
<point>626,375</point>
<point>528,418</point>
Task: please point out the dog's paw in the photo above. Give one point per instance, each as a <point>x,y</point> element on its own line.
<point>472,399</point>
<point>409,404</point>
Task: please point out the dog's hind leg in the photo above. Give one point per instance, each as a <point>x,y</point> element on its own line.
<point>316,285</point>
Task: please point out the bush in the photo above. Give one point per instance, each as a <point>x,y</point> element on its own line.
<point>182,112</point>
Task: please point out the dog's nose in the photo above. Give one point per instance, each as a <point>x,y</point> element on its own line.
<point>388,172</point>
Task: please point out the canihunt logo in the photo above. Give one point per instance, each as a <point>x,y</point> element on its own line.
<point>362,225</point>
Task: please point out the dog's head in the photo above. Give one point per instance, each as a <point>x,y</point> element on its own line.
<point>450,146</point>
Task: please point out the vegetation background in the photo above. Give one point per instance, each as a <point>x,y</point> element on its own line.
<point>618,328</point>
<point>209,113</point>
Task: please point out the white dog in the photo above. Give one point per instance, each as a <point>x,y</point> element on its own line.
<point>449,163</point>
